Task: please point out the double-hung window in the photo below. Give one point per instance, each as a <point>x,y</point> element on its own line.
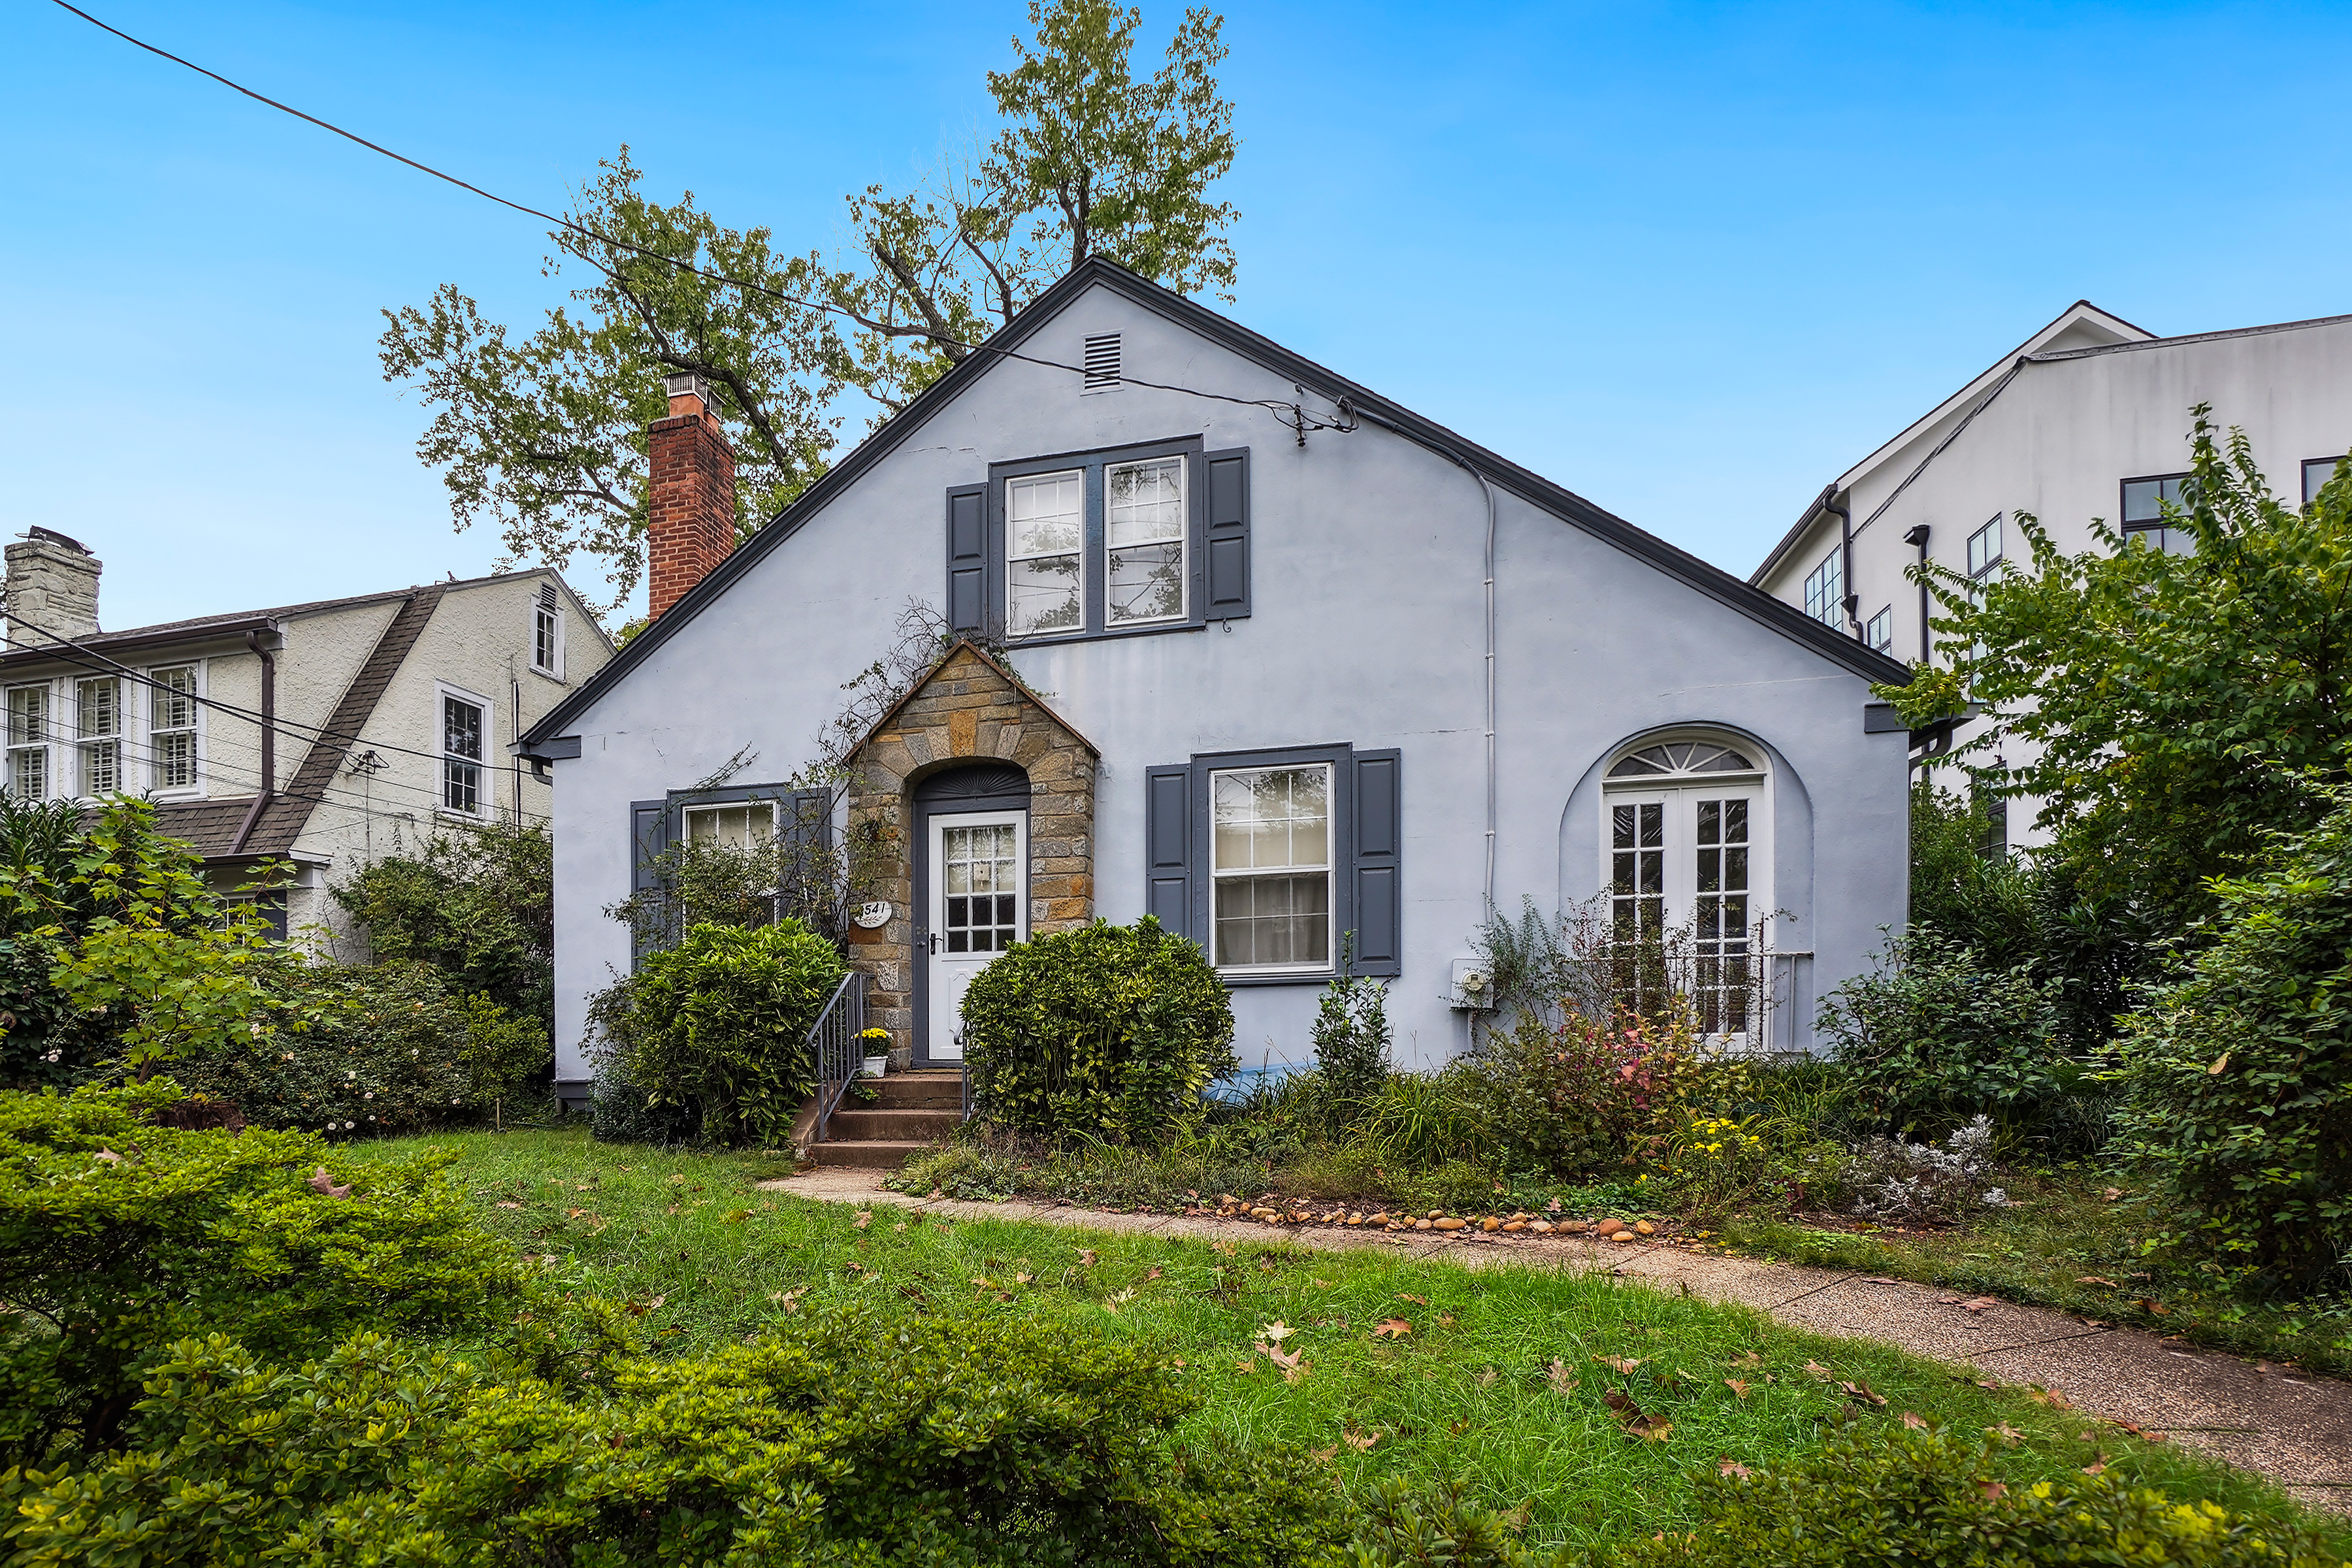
<point>1044,554</point>
<point>461,755</point>
<point>97,734</point>
<point>737,824</point>
<point>1825,589</point>
<point>1133,540</point>
<point>28,741</point>
<point>2145,502</point>
<point>546,634</point>
<point>171,727</point>
<point>1270,865</point>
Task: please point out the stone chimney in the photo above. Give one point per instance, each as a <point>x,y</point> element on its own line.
<point>52,589</point>
<point>689,496</point>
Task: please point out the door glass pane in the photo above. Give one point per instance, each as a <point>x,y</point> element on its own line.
<point>1720,918</point>
<point>982,883</point>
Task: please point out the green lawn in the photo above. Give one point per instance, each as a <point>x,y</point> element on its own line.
<point>1500,1380</point>
<point>2067,1244</point>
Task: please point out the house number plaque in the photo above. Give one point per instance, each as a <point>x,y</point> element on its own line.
<point>873,916</point>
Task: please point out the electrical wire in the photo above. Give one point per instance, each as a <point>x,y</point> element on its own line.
<point>1291,414</point>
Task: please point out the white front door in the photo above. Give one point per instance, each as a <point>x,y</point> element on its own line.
<point>980,907</point>
<point>1689,864</point>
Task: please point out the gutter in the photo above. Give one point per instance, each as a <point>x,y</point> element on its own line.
<point>264,645</point>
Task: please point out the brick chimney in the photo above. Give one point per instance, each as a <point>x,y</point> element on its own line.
<point>691,496</point>
<point>52,589</point>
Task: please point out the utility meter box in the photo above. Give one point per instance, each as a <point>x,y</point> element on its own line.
<point>1469,988</point>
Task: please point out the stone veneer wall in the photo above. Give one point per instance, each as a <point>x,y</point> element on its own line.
<point>967,710</point>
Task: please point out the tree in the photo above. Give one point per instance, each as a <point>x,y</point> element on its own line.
<point>477,903</point>
<point>2175,708</point>
<point>544,438</point>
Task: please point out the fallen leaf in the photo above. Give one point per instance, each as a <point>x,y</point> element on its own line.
<point>1086,1258</point>
<point>1561,1384</point>
<point>2143,1433</point>
<point>2097,1279</point>
<point>1484,1378</point>
<point>1360,1441</point>
<point>2097,1467</point>
<point>1392,1328</point>
<point>1638,1422</point>
<point>1276,1332</point>
<point>2006,1433</point>
<point>1732,1468</point>
<point>1913,1422</point>
<point>1416,1300</point>
<point>1751,1359</point>
<point>324,1182</point>
<point>1119,1299</point>
<point>108,1157</point>
<point>660,1299</point>
<point>1249,1365</point>
<point>509,1204</point>
<point>1324,1284</point>
<point>1987,1383</point>
<point>1324,1456</point>
<point>1154,1272</point>
<point>1817,1369</point>
<point>1444,1319</point>
<point>1623,1365</point>
<point>2112,1194</point>
<point>2147,1305</point>
<point>1862,1391</point>
<point>2220,1063</point>
<point>2046,1396</point>
<point>1991,1491</point>
<point>1737,1385</point>
<point>900,1225</point>
<point>1292,1369</point>
<point>1023,1278</point>
<point>865,1218</point>
<point>1981,1303</point>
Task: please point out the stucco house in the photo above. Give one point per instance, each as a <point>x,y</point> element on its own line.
<point>323,734</point>
<point>2088,417</point>
<point>1252,650</point>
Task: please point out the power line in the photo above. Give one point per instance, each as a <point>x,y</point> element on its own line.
<point>1291,414</point>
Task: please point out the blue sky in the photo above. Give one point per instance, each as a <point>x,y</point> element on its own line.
<point>1691,261</point>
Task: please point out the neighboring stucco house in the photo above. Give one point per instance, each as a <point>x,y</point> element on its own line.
<point>2087,418</point>
<point>324,733</point>
<point>1292,663</point>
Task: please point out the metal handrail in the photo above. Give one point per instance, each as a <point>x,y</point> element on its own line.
<point>834,1044</point>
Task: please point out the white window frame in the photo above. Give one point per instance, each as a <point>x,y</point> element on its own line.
<point>1219,875</point>
<point>1825,589</point>
<point>1080,552</point>
<point>1681,845</point>
<point>154,735</point>
<point>1182,540</point>
<point>484,802</point>
<point>89,744</point>
<point>43,744</point>
<point>552,616</point>
<point>688,813</point>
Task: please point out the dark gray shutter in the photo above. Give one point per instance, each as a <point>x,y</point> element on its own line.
<point>1379,835</point>
<point>808,816</point>
<point>1226,545</point>
<point>1167,849</point>
<point>648,837</point>
<point>968,559</point>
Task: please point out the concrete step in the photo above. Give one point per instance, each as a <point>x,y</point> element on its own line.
<point>919,1088</point>
<point>852,1122</point>
<point>880,1155</point>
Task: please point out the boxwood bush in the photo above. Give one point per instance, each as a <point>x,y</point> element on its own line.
<point>709,1038</point>
<point>1102,1031</point>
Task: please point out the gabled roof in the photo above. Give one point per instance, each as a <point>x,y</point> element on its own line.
<point>1320,383</point>
<point>2080,321</point>
<point>961,645</point>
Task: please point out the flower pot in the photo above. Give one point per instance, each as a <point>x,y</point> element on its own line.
<point>875,1065</point>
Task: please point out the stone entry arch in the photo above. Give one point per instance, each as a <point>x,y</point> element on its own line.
<point>971,709</point>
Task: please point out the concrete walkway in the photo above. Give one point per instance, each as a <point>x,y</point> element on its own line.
<point>2295,1429</point>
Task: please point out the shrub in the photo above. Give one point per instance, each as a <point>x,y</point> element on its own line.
<point>711,1035</point>
<point>475,903</point>
<point>1930,1038</point>
<point>1588,1098</point>
<point>1012,1442</point>
<point>119,1236</point>
<point>2238,1075</point>
<point>1901,1181</point>
<point>1926,1499</point>
<point>1419,1119</point>
<point>1103,1031</point>
<point>381,1050</point>
<point>1352,1040</point>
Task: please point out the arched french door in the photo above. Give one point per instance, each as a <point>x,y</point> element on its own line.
<point>1685,829</point>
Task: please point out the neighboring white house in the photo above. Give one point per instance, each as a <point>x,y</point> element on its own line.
<point>2087,418</point>
<point>324,733</point>
<point>1286,665</point>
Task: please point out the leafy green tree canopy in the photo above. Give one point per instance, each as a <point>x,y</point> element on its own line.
<point>2170,706</point>
<point>542,437</point>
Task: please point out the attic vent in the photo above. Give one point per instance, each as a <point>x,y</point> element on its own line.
<point>547,596</point>
<point>1102,362</point>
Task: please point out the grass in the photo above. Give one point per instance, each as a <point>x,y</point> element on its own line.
<point>2067,1244</point>
<point>1470,1393</point>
